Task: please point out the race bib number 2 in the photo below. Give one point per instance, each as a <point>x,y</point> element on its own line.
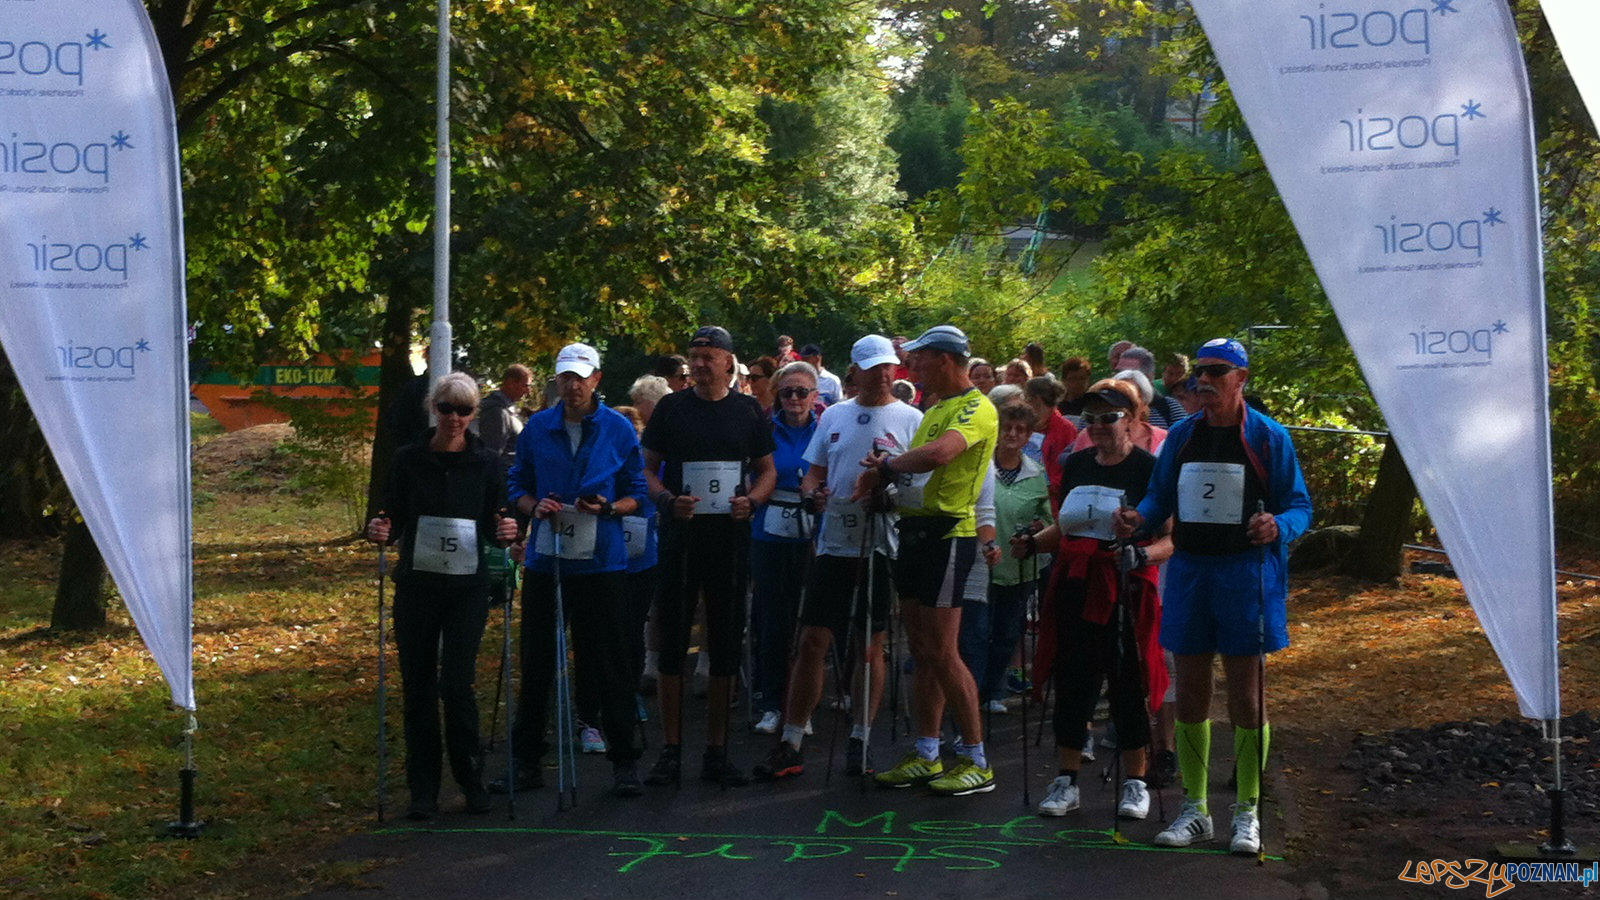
<point>715,483</point>
<point>1211,493</point>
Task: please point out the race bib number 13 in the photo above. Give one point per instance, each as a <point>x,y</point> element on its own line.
<point>1211,493</point>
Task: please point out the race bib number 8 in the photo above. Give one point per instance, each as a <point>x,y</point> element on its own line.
<point>445,546</point>
<point>782,518</point>
<point>715,483</point>
<point>1211,493</point>
<point>1087,512</point>
<point>577,535</point>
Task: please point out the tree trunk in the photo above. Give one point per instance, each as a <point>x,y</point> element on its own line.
<point>1386,524</point>
<point>395,370</point>
<point>81,590</point>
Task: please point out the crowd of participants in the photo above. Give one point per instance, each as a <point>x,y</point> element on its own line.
<point>1012,532</point>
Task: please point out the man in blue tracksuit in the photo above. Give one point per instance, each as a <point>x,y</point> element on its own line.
<point>578,472</point>
<point>1229,478</point>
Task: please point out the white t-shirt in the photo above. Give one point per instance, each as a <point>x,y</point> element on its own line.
<point>845,434</point>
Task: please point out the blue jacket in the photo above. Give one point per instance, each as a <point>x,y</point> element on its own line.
<point>608,463</point>
<point>788,456</point>
<point>1270,453</point>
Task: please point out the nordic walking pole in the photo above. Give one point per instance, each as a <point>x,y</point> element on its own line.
<point>383,671</point>
<point>1261,696</point>
<point>865,700</point>
<point>1033,560</point>
<point>843,666</point>
<point>566,760</point>
<point>505,675</point>
<point>1111,683</point>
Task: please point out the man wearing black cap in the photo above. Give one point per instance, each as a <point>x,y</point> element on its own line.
<point>702,447</point>
<point>829,389</point>
<point>1230,478</point>
<point>940,564</point>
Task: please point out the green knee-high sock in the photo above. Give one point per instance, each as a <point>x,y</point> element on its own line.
<point>1194,759</point>
<point>1250,746</point>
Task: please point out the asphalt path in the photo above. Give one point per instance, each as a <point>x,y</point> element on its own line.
<point>812,837</point>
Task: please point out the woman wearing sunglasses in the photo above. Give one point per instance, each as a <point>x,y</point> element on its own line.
<point>442,505</point>
<point>1104,625</point>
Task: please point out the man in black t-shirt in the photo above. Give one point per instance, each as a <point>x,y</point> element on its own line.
<point>700,448</point>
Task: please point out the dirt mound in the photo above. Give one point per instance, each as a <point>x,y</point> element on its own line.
<point>249,460</point>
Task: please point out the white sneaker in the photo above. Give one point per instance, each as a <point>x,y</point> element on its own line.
<point>591,740</point>
<point>768,723</point>
<point>1061,799</point>
<point>1088,747</point>
<point>809,732</point>
<point>1246,831</point>
<point>1190,826</point>
<point>998,707</point>
<point>1135,800</point>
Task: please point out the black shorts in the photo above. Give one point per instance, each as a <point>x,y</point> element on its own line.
<point>937,571</point>
<point>838,585</point>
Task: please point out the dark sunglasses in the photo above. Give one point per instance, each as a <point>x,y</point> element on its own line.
<point>1105,418</point>
<point>757,376</point>
<point>789,392</point>
<point>1215,370</point>
<point>446,408</point>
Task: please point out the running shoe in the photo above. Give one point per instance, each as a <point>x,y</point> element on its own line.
<point>1246,831</point>
<point>640,708</point>
<point>1060,799</point>
<point>1088,747</point>
<point>1016,681</point>
<point>808,730</point>
<point>1135,803</point>
<point>911,770</point>
<point>1164,770</point>
<point>768,723</point>
<point>783,761</point>
<point>530,775</point>
<point>965,778</point>
<point>853,754</point>
<point>715,767</point>
<point>668,768</point>
<point>1190,826</point>
<point>591,740</point>
<point>625,780</point>
<point>998,707</point>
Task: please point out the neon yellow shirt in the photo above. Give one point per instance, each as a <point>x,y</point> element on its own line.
<point>952,489</point>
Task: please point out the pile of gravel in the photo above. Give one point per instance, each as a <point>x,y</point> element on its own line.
<point>1506,766</point>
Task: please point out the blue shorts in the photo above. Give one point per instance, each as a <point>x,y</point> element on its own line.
<point>1213,604</point>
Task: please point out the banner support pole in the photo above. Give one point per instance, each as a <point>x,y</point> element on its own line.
<point>187,826</point>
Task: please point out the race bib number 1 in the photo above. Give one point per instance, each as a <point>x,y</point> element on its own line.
<point>445,546</point>
<point>1211,493</point>
<point>715,483</point>
<point>1087,512</point>
<point>577,535</point>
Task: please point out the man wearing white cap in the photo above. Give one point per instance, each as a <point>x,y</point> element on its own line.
<point>873,422</point>
<point>578,471</point>
<point>940,563</point>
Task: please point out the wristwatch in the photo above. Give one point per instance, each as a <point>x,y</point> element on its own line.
<point>606,509</point>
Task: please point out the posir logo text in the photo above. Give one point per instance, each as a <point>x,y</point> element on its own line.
<point>1376,133</point>
<point>1379,28</point>
<point>1477,342</point>
<point>45,59</point>
<point>38,157</point>
<point>1438,236</point>
<point>73,355</point>
<point>88,256</point>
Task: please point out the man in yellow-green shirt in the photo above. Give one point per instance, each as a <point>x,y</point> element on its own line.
<point>940,563</point>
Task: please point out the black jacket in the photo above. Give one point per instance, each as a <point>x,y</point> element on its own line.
<point>465,485</point>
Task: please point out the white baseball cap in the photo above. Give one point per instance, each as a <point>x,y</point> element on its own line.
<point>873,350</point>
<point>579,359</point>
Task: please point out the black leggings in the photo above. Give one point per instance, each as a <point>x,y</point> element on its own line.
<point>437,629</point>
<point>712,562</point>
<point>1086,656</point>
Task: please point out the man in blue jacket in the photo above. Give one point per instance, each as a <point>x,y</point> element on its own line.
<point>578,471</point>
<point>1230,479</point>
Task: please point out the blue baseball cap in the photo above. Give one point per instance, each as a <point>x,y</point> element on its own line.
<point>947,338</point>
<point>1225,349</point>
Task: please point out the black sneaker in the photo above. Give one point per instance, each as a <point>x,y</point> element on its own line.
<point>422,809</point>
<point>784,761</point>
<point>529,777</point>
<point>625,780</point>
<point>478,800</point>
<point>668,768</point>
<point>716,768</point>
<point>853,754</point>
<point>1164,770</point>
